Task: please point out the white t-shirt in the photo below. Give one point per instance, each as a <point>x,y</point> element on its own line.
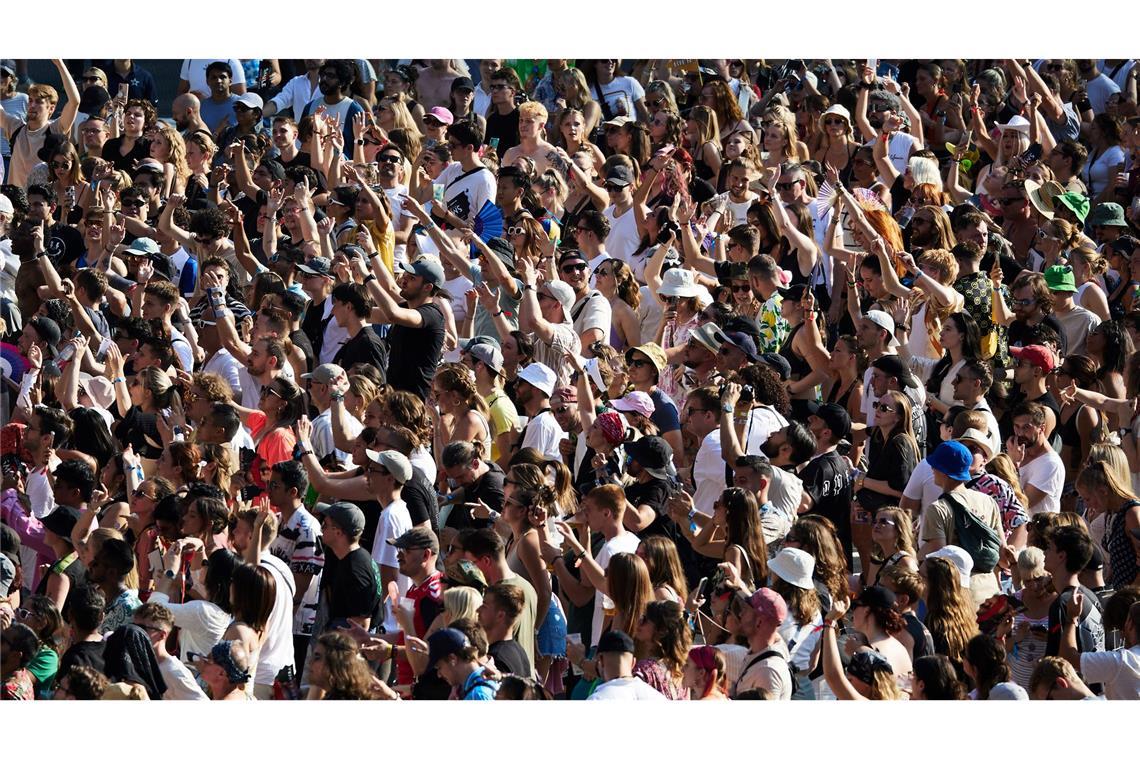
<point>1076,325</point>
<point>543,433</point>
<point>770,674</point>
<point>295,95</point>
<point>631,689</point>
<point>623,238</point>
<point>194,72</point>
<point>593,311</point>
<point>224,365</point>
<point>395,521</point>
<point>466,193</point>
<point>1098,89</point>
<point>201,624</point>
<point>623,543</point>
<point>322,437</point>
<point>298,544</point>
<point>921,486</point>
<point>739,210</point>
<point>423,461</point>
<point>899,149</point>
<point>277,645</point>
<point>708,473</point>
<point>1119,671</point>
<point>762,422</point>
<point>180,682</point>
<point>1047,474</point>
<point>400,252</point>
<point>620,96</point>
<point>25,146</point>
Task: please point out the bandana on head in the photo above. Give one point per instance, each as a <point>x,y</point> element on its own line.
<point>222,656</point>
<point>612,426</point>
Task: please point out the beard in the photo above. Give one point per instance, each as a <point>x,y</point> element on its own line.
<point>1026,442</point>
<point>771,449</point>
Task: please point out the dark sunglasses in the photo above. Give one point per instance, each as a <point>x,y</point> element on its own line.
<point>572,268</point>
<point>787,185</point>
<point>885,521</point>
<point>886,408</point>
<point>611,188</point>
<point>741,288</point>
<point>834,122</point>
<point>1010,201</point>
<point>58,165</point>
<point>389,159</point>
<point>640,363</point>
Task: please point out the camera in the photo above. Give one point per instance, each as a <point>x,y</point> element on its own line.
<point>666,228</point>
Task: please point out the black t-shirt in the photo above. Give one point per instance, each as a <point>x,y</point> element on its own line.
<point>489,490</point>
<point>419,349</point>
<point>314,323</point>
<point>89,653</point>
<point>510,657</point>
<point>655,493</point>
<point>366,347</point>
<point>892,461</point>
<point>506,128</point>
<point>301,340</point>
<point>353,587</point>
<point>827,479</point>
<point>111,152</point>
<point>1021,334</point>
<point>64,246</point>
<point>419,496</point>
<point>1090,625</point>
<point>140,429</point>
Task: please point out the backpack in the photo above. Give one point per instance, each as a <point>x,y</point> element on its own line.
<point>792,670</point>
<point>978,539</point>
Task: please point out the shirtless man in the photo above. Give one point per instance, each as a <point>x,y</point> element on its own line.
<point>532,126</point>
<point>434,83</point>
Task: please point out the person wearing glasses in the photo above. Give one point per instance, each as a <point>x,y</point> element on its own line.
<point>158,622</point>
<point>590,312</point>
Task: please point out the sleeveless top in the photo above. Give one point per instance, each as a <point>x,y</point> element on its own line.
<point>845,397</point>
<point>1121,555</point>
<point>800,367</point>
<point>1071,435</point>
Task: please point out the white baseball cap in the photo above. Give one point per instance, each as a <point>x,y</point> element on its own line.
<point>959,558</point>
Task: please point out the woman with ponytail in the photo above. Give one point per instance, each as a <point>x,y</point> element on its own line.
<point>705,674</point>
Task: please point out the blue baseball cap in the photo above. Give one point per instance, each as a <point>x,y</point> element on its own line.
<point>952,459</point>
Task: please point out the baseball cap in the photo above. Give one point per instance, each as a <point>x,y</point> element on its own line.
<point>635,401</point>
<point>47,329</point>
<point>466,344</point>
<point>1038,356</point>
<point>428,268</point>
<point>443,643</point>
<point>143,246</point>
<point>769,605</point>
<point>571,256</point>
<point>567,394</point>
<point>710,336</point>
<point>250,100</point>
<point>834,416</point>
<point>782,366</point>
<point>490,355</point>
<point>327,374</point>
<point>442,115</point>
<point>1060,279</point>
<point>894,366</point>
<point>615,641</point>
<point>959,558</point>
<point>61,520</point>
<point>416,538</point>
<point>9,65</point>
<point>318,265</point>
<point>617,121</point>
<point>394,462</point>
<point>1124,245</point>
<point>875,596</point>
<point>952,459</point>
<point>562,293</point>
<point>654,455</point>
<point>540,376</point>
<point>745,344</point>
<point>346,515</point>
<point>620,174</point>
<point>462,83</point>
<point>276,169</point>
<point>883,320</point>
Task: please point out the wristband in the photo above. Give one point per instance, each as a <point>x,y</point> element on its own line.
<point>118,380</point>
<point>499,313</point>
<point>370,277</point>
<point>373,255</point>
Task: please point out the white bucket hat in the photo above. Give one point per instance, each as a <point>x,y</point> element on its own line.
<point>540,376</point>
<point>681,283</point>
<point>794,566</point>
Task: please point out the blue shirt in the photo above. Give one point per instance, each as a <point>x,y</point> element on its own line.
<point>216,114</point>
<point>477,687</point>
<point>665,415</point>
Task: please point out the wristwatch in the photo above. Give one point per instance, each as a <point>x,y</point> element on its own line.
<point>727,408</point>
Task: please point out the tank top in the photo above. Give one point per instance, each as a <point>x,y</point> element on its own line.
<point>1071,436</point>
<point>800,367</point>
<point>842,399</point>
<point>623,239</point>
<point>1119,547</point>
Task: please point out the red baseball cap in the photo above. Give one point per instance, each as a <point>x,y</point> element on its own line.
<point>1038,356</point>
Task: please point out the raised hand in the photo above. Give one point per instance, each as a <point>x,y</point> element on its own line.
<point>303,428</point>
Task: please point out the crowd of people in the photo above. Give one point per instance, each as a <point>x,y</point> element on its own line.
<point>591,380</point>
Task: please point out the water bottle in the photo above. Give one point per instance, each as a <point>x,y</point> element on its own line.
<point>905,215</point>
<point>66,353</point>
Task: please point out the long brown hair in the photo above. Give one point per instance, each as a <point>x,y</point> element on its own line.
<point>630,589</point>
<point>664,564</point>
<point>817,536</point>
<point>742,528</point>
<point>949,613</point>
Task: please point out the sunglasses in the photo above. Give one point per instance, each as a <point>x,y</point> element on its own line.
<point>787,185</point>
<point>1024,301</point>
<point>59,165</point>
<point>885,521</point>
<point>560,409</point>
<point>130,202</point>
<point>1010,201</point>
<point>389,159</point>
<point>741,288</point>
<point>655,103</point>
<point>886,408</point>
<point>640,363</point>
<point>512,231</point>
<point>500,87</point>
<point>569,268</point>
<point>611,188</point>
<point>834,123</point>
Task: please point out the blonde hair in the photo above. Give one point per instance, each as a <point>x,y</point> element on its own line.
<point>1095,263</point>
<point>177,156</point>
<point>707,128</point>
<point>536,110</point>
<point>1100,474</point>
<point>1002,466</point>
<point>1030,563</point>
<point>461,603</point>
<point>905,540</point>
<point>884,686</point>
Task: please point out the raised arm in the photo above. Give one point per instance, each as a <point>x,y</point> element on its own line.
<point>866,82</point>
<point>530,315</point>
<point>166,221</point>
<point>807,252</point>
<point>71,91</point>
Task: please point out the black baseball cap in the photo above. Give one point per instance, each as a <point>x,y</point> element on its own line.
<point>615,641</point>
<point>833,415</point>
<point>894,366</point>
<point>462,83</point>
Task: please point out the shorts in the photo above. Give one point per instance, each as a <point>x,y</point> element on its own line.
<point>551,637</point>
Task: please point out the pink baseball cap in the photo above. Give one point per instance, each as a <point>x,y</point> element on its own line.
<point>443,115</point>
<point>637,401</point>
<point>770,605</point>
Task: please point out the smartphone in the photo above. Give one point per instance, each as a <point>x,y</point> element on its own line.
<point>104,347</point>
<point>155,558</point>
<point>872,64</point>
<point>703,588</point>
<point>124,90</point>
<point>494,143</point>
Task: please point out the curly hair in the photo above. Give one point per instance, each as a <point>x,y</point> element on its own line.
<point>83,682</point>
<point>407,410</point>
<point>185,457</point>
<point>803,603</point>
<point>177,154</point>
<point>457,378</point>
<point>767,387</point>
<point>222,457</point>
<point>349,676</point>
<point>626,285</point>
<point>214,387</point>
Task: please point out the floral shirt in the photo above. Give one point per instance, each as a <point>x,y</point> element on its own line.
<point>1013,514</point>
<point>656,675</point>
<point>19,686</point>
<point>773,327</point>
<point>120,611</point>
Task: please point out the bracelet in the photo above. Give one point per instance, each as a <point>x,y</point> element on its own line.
<point>118,380</point>
<point>499,313</point>
<point>373,255</point>
<point>850,283</point>
<point>370,277</point>
<point>727,408</point>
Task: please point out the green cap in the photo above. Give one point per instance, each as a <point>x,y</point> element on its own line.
<point>1075,202</point>
<point>1107,215</point>
<point>1060,278</point>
